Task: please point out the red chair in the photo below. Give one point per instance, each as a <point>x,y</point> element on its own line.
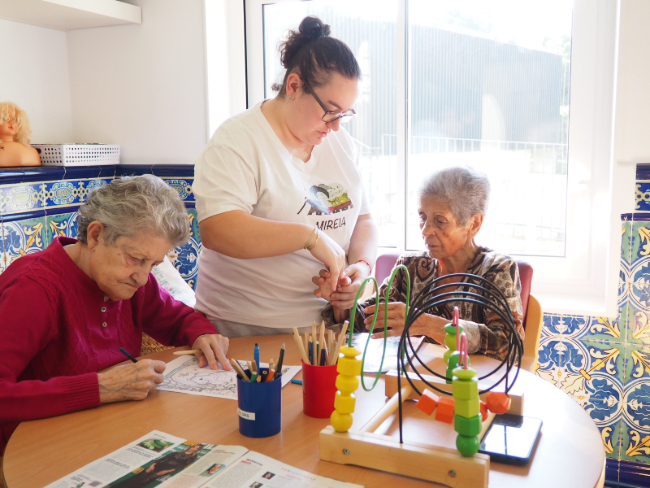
<point>533,318</point>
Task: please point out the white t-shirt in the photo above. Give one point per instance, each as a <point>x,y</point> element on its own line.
<point>246,167</point>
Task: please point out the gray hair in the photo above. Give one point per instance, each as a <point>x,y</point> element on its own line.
<point>135,204</point>
<point>465,190</point>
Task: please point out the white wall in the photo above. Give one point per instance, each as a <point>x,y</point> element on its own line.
<point>633,107</point>
<point>34,75</point>
<point>143,86</point>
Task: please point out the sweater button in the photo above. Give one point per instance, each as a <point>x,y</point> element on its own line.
<point>103,309</point>
<point>104,324</point>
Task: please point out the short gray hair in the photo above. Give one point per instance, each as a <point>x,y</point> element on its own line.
<point>465,190</point>
<point>133,204</point>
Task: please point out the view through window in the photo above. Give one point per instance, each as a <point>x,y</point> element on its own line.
<point>488,85</point>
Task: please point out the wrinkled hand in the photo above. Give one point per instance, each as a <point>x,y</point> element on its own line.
<point>213,347</point>
<point>131,381</point>
<point>347,287</point>
<point>396,314</point>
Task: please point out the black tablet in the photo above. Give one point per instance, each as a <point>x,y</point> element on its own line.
<point>511,439</point>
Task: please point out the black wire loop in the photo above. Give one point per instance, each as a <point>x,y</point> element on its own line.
<point>476,290</point>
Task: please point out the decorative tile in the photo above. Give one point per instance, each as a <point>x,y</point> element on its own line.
<point>642,196</point>
<point>182,186</point>
<point>611,436</point>
<point>637,363</point>
<point>606,329</point>
<point>639,241</point>
<point>23,237</point>
<point>626,241</point>
<point>185,258</point>
<point>24,197</point>
<point>638,326</point>
<point>635,429</point>
<point>565,325</point>
<point>61,225</point>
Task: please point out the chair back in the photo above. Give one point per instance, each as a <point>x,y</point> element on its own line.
<point>526,277</point>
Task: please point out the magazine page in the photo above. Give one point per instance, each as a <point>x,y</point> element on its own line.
<point>120,462</point>
<point>254,470</point>
<point>183,375</point>
<point>376,347</point>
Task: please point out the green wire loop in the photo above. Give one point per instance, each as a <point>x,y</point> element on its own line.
<point>374,319</point>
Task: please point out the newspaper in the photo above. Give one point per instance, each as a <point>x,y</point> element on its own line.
<point>183,375</point>
<point>162,460</point>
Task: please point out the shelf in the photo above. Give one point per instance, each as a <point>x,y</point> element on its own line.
<point>70,14</point>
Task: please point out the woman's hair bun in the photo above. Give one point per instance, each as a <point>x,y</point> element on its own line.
<point>313,28</point>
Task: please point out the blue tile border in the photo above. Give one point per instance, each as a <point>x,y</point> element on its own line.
<point>26,215</point>
<point>643,171</point>
<point>161,170</point>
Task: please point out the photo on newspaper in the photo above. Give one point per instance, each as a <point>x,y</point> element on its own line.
<point>163,468</point>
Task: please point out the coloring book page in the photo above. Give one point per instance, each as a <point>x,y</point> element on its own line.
<point>183,375</point>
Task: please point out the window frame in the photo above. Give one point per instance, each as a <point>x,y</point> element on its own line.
<point>585,280</point>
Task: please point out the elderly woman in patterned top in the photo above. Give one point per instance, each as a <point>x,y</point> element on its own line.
<point>452,207</point>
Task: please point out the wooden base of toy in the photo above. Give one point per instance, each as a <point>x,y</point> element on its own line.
<point>428,462</point>
<point>516,396</point>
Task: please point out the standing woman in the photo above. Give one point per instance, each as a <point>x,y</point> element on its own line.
<point>279,197</point>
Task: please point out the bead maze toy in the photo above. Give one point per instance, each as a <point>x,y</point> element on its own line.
<point>462,398</point>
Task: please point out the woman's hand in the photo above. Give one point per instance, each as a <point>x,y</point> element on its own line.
<point>347,287</point>
<point>396,314</point>
<point>328,252</point>
<point>213,347</point>
<point>427,324</point>
<point>131,381</point>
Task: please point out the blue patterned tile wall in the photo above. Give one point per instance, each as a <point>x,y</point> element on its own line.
<point>604,364</point>
<point>39,204</point>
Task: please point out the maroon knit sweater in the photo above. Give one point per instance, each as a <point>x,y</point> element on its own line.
<point>53,339</point>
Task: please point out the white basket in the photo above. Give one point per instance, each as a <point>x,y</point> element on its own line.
<point>78,154</point>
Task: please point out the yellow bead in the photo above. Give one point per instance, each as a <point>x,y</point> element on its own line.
<point>349,366</point>
<point>347,384</point>
<point>349,352</point>
<point>341,421</point>
<point>344,403</point>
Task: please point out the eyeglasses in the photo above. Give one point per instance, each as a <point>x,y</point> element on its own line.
<point>330,115</point>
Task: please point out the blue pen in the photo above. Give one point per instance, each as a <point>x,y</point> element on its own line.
<point>256,356</point>
<point>125,352</point>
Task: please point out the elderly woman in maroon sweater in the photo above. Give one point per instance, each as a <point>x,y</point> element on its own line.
<point>66,311</point>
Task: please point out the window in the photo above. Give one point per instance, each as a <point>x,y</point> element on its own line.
<point>523,91</point>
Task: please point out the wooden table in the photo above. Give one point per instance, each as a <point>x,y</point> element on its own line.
<point>569,453</point>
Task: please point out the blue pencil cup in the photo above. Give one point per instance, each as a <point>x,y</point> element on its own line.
<point>259,407</point>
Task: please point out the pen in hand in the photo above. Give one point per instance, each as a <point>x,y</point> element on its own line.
<point>126,353</point>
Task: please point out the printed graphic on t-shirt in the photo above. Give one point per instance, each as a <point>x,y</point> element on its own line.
<point>326,200</point>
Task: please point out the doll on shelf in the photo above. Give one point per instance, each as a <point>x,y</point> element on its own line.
<point>15,133</point>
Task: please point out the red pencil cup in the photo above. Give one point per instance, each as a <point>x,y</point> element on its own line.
<point>318,390</point>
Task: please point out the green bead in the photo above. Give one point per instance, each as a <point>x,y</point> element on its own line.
<point>467,445</point>
<point>446,355</point>
<point>450,341</point>
<point>453,360</point>
<point>464,374</point>
<point>450,329</point>
<point>468,408</point>
<point>450,375</point>
<point>468,427</point>
<point>465,389</point>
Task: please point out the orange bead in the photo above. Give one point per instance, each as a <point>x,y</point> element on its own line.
<point>445,410</point>
<point>497,402</point>
<point>428,402</point>
<point>484,411</point>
